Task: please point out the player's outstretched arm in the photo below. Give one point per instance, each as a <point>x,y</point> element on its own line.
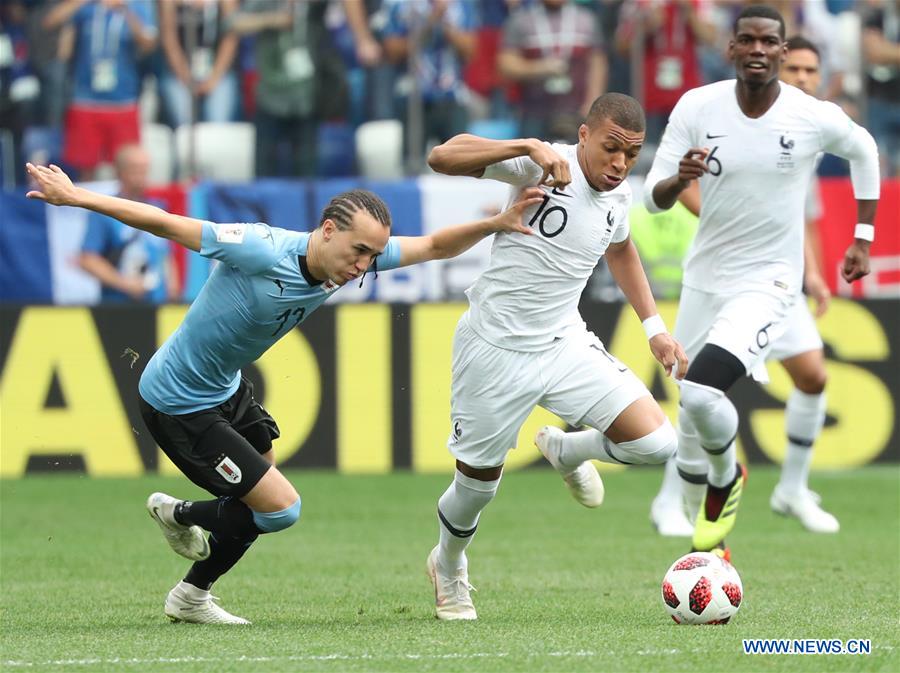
<point>469,155</point>
<point>456,239</point>
<point>55,187</point>
<point>625,266</point>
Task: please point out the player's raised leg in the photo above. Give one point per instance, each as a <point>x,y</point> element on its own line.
<point>639,435</point>
<point>588,386</point>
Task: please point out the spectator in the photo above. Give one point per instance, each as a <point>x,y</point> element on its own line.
<point>671,32</point>
<point>554,50</point>
<point>357,33</point>
<point>287,39</point>
<point>111,36</point>
<point>199,58</point>
<point>441,36</point>
<point>48,54</point>
<point>881,53</point>
<point>19,87</point>
<point>131,265</point>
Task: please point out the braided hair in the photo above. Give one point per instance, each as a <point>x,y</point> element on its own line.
<point>342,207</point>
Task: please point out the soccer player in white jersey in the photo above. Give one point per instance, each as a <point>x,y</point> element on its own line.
<point>800,351</point>
<point>523,342</point>
<point>193,399</point>
<point>753,144</point>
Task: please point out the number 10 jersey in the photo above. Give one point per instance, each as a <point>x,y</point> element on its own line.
<point>528,296</point>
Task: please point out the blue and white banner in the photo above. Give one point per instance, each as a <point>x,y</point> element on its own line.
<point>39,248</point>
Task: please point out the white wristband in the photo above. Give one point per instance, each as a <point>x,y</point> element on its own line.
<point>865,232</point>
<point>654,325</point>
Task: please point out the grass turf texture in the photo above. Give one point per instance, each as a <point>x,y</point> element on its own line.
<point>84,572</point>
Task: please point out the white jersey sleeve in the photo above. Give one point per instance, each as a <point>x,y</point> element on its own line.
<point>675,142</point>
<point>518,171</point>
<point>845,138</point>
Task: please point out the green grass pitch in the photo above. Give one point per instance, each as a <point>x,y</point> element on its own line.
<point>84,572</point>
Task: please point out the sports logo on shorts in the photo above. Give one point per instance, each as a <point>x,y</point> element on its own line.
<point>229,470</point>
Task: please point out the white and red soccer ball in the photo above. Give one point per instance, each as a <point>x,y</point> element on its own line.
<point>702,588</point>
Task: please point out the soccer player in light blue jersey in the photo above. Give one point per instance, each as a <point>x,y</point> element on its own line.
<point>194,401</point>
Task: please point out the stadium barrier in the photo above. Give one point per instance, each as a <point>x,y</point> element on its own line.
<point>364,388</point>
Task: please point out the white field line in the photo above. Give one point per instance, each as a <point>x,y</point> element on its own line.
<point>298,657</point>
<point>343,657</point>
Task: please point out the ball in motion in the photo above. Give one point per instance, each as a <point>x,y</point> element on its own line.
<point>702,588</point>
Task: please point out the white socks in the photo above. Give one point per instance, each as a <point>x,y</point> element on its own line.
<point>716,421</point>
<point>458,512</point>
<point>651,449</point>
<point>191,592</point>
<point>804,420</point>
<point>692,463</point>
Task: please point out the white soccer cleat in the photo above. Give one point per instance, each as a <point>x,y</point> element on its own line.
<point>452,599</point>
<point>805,507</point>
<point>189,541</point>
<point>669,519</point>
<point>583,481</point>
<point>181,607</point>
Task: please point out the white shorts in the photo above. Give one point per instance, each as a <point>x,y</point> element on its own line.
<point>747,324</point>
<point>494,390</point>
<point>800,334</point>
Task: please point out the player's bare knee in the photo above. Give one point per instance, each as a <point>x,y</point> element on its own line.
<point>812,383</point>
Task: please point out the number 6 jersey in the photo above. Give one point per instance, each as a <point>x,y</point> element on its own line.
<point>529,294</point>
<point>751,217</point>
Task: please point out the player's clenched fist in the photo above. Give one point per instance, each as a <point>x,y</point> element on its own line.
<point>556,168</point>
<point>856,261</point>
<point>693,165</point>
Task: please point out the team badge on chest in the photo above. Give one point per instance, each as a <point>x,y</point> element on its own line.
<point>786,153</point>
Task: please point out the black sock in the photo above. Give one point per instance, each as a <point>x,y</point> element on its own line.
<point>224,517</point>
<point>224,553</point>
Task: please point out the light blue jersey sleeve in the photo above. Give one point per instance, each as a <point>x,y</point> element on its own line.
<point>251,248</point>
<point>390,258</point>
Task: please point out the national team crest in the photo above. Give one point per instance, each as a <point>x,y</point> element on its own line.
<point>228,469</point>
<point>785,157</point>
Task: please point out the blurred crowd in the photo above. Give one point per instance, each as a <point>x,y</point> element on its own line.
<point>79,79</point>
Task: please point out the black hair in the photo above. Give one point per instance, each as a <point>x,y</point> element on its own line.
<point>623,110</point>
<point>760,12</point>
<point>798,42</point>
<point>341,208</point>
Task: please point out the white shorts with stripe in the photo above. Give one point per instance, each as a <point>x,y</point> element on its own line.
<point>747,324</point>
<point>494,390</point>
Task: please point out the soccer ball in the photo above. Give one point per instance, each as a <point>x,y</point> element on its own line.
<point>702,588</point>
